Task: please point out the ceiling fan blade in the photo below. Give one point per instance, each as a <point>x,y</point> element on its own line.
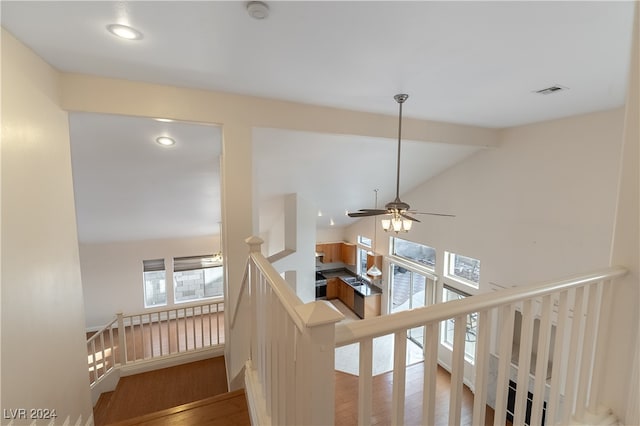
<point>406,216</point>
<point>367,213</point>
<point>435,214</point>
<point>379,211</point>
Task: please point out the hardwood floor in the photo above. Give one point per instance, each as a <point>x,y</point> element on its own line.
<point>166,388</point>
<point>229,409</point>
<point>347,399</point>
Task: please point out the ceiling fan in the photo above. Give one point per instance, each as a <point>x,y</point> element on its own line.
<point>399,211</point>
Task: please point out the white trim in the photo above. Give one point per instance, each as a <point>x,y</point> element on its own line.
<point>255,399</point>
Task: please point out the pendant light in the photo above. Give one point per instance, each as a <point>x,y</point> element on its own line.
<point>374,271</point>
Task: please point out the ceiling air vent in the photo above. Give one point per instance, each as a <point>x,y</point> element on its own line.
<point>549,90</point>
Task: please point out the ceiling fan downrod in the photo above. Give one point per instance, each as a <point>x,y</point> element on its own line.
<point>400,98</point>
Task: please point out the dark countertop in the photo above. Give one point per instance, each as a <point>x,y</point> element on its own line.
<point>360,285</point>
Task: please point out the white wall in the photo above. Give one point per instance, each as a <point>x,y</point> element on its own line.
<point>299,236</point>
<point>621,381</point>
<point>44,358</point>
<point>112,273</point>
<point>540,206</point>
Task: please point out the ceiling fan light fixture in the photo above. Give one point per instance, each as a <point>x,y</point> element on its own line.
<point>386,224</point>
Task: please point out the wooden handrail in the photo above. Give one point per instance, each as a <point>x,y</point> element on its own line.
<point>379,326</point>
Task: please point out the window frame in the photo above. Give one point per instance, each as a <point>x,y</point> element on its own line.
<point>413,262</point>
<point>151,266</point>
<point>468,357</point>
<point>179,270</point>
<point>449,264</point>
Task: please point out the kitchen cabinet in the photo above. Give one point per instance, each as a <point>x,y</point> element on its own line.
<point>332,288</point>
<point>332,252</point>
<point>348,252</point>
<point>337,252</point>
<point>346,294</point>
<point>372,305</point>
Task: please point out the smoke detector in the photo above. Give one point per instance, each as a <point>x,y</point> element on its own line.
<point>257,9</point>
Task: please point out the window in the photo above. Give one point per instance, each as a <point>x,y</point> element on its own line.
<point>362,261</point>
<point>446,335</point>
<point>155,287</point>
<point>196,278</point>
<point>463,269</point>
<point>409,290</point>
<point>423,255</point>
<point>364,241</point>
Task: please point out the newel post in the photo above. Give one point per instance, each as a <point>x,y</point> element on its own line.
<point>315,364</point>
<point>121,339</point>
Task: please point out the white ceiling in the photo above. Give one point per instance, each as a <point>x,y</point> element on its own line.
<point>128,187</point>
<point>462,62</point>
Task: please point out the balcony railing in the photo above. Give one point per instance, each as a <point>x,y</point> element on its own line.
<point>155,334</point>
<point>290,373</point>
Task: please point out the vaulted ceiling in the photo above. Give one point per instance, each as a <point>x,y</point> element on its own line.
<point>476,63</point>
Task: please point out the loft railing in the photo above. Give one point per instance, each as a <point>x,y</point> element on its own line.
<point>288,337</point>
<point>155,334</point>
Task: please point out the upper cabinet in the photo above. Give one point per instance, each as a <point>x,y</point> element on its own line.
<point>337,252</point>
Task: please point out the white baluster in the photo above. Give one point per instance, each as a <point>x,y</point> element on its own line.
<point>573,359</point>
<point>524,363</point>
<point>481,367</point>
<point>431,342</point>
<point>542,362</point>
<point>457,370</point>
<point>365,382</point>
<point>399,375</point>
<point>553,406</point>
<point>504,365</point>
<point>603,328</point>
<point>588,349</point>
<point>121,339</point>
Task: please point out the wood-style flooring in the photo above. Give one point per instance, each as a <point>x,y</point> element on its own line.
<point>347,399</point>
<point>162,389</point>
<point>186,395</point>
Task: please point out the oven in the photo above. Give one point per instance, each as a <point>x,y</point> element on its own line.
<point>321,286</point>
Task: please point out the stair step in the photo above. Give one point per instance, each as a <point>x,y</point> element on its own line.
<point>101,409</point>
<point>226,409</point>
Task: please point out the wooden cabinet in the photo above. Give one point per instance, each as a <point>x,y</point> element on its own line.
<point>337,252</point>
<point>332,252</point>
<point>332,288</point>
<point>348,252</point>
<point>372,306</point>
<point>346,294</point>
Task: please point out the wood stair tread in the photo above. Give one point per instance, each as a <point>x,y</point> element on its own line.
<point>228,408</point>
<point>101,409</point>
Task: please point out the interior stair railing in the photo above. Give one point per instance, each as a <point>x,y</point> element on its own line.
<point>155,334</point>
<point>290,377</point>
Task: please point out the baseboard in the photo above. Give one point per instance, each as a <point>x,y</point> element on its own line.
<point>171,361</point>
<point>255,398</point>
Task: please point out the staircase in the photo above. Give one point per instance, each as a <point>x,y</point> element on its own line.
<point>194,393</point>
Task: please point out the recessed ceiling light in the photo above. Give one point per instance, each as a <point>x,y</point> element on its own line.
<point>124,31</point>
<point>165,141</point>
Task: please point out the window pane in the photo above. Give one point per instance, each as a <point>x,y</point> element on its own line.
<point>155,289</point>
<point>464,269</point>
<point>197,284</point>
<point>471,328</point>
<point>420,253</point>
<point>364,241</point>
<point>362,261</point>
<point>400,288</point>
